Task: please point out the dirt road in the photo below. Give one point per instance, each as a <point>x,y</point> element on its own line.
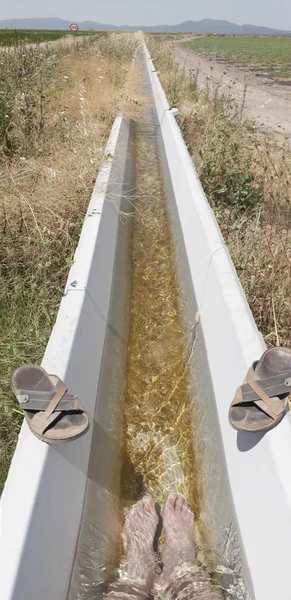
<point>267,103</point>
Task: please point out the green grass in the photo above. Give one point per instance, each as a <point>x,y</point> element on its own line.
<point>12,37</point>
<point>270,56</point>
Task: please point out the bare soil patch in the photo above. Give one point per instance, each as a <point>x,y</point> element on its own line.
<point>266,102</point>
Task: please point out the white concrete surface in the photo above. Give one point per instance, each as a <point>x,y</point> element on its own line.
<point>247,477</point>
<point>42,502</point>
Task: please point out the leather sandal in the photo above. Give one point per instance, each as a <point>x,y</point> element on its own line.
<point>261,402</point>
<point>52,414</point>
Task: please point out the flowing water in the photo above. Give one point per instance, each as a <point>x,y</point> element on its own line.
<point>152,423</point>
<point>158,440</point>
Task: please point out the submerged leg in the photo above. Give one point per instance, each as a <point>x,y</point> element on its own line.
<point>183,578</point>
<point>137,571</point>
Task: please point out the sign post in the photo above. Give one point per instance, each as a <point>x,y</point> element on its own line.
<point>74,27</point>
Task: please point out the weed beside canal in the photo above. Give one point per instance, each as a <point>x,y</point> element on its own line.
<point>57,105</point>
<point>246,177</point>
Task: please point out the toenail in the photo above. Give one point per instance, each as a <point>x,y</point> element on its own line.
<point>147,499</point>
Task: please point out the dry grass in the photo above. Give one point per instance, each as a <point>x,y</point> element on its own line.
<point>246,177</point>
<point>57,106</point>
<point>171,37</point>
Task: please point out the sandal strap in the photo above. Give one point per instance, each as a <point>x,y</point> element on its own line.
<point>277,385</point>
<point>42,420</point>
<point>36,400</point>
<point>271,406</point>
<point>262,392</point>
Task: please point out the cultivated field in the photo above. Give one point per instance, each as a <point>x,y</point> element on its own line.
<point>265,55</point>
<point>16,37</point>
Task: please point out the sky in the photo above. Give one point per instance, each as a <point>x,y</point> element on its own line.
<point>269,13</point>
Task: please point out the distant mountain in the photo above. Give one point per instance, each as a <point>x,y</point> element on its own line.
<point>204,26</point>
<point>53,24</point>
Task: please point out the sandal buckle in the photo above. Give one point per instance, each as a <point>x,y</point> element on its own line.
<point>287,382</point>
<point>23,398</point>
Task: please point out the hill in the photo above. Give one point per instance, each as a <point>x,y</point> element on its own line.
<point>204,26</point>
<point>53,23</point>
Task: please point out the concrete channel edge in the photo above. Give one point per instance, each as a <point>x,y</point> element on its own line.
<point>258,467</point>
<point>42,502</point>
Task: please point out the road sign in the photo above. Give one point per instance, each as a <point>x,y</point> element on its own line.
<point>74,27</point>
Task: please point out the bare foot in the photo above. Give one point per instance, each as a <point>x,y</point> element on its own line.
<point>139,532</point>
<point>178,520</point>
<point>182,576</point>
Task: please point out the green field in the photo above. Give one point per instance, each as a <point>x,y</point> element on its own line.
<point>266,55</point>
<point>12,37</point>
